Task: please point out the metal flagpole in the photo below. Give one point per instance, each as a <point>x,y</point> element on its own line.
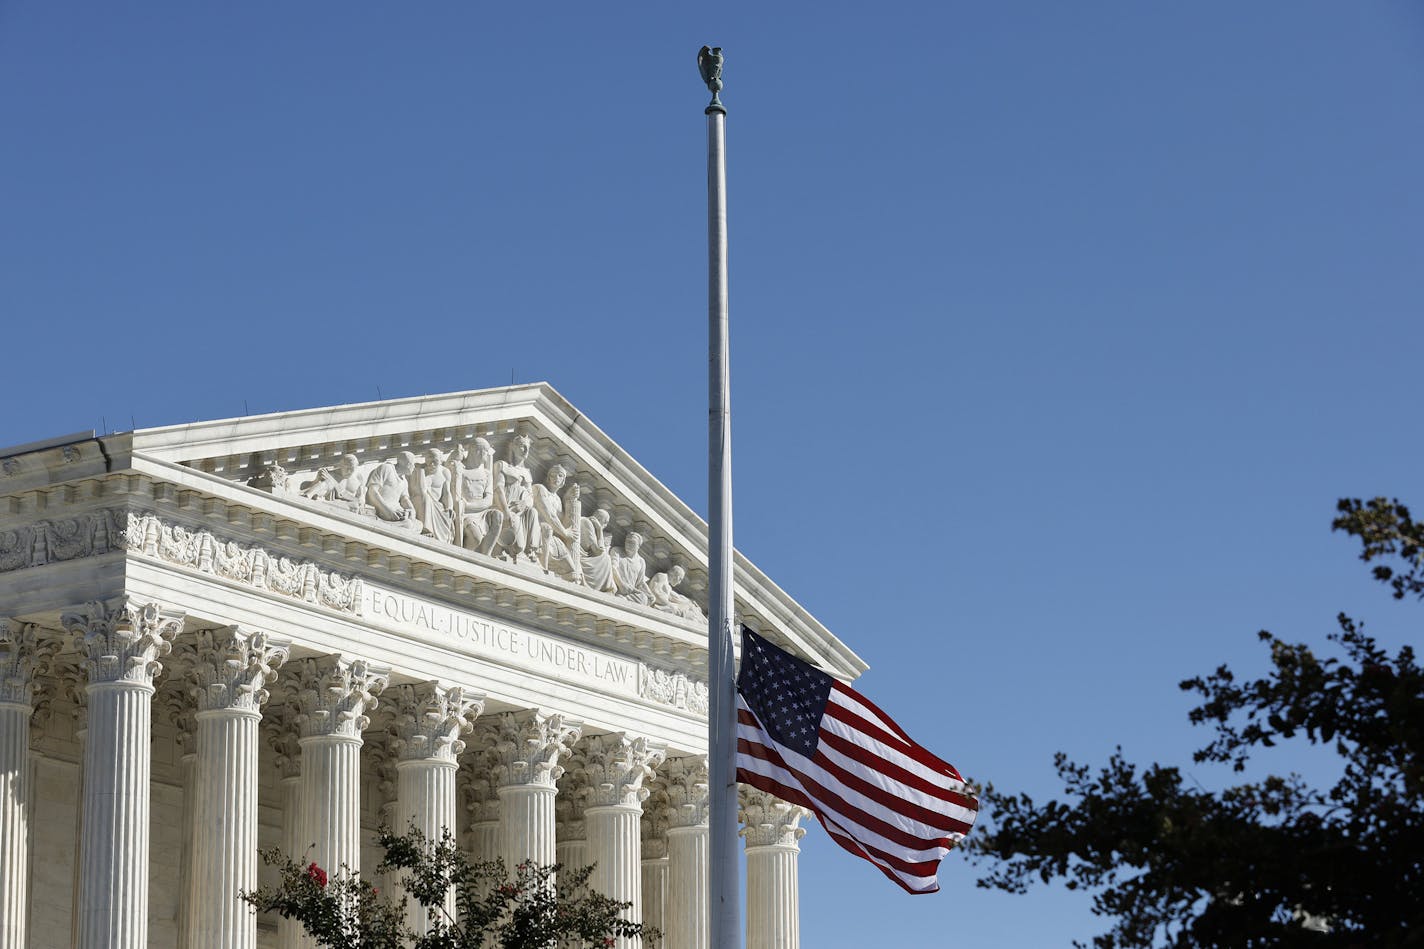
<point>724,896</point>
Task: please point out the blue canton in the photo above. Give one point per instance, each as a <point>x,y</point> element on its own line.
<point>787,695</point>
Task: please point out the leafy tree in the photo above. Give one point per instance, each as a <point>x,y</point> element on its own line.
<point>534,910</point>
<point>1273,862</point>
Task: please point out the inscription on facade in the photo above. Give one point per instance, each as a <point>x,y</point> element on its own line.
<point>501,642</point>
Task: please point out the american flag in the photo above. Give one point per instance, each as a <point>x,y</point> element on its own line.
<point>810,740</point>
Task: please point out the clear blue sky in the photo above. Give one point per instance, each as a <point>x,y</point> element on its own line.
<point>1057,327</point>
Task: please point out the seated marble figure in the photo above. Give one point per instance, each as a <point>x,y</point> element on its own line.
<point>343,486</point>
<point>478,518</point>
<point>388,491</point>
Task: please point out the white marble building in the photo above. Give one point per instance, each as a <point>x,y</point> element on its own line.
<point>473,611</point>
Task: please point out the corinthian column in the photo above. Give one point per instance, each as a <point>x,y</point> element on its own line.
<point>527,749</point>
<point>615,768</point>
<point>282,736</point>
<point>122,641</point>
<point>233,666</point>
<point>687,842</point>
<point>770,827</point>
<point>175,705</point>
<point>429,720</point>
<point>335,693</point>
<point>23,657</point>
<point>571,846</point>
<point>482,843</point>
<point>655,861</point>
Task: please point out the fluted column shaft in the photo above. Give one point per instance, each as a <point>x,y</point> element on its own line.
<point>188,769</point>
<point>425,797</point>
<point>14,823</point>
<point>225,828</point>
<point>23,657</point>
<point>113,881</point>
<point>526,824</point>
<point>655,886</point>
<point>289,931</point>
<point>687,887</point>
<point>773,911</point>
<point>615,850</point>
<point>121,640</point>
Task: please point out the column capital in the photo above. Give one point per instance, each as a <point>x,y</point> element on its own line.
<point>527,747</point>
<point>481,798</point>
<point>431,717</point>
<point>173,705</point>
<point>572,800</point>
<point>655,824</point>
<point>686,782</point>
<point>335,693</point>
<point>24,657</point>
<point>122,639</point>
<point>615,767</point>
<point>767,820</point>
<point>233,665</point>
<point>279,728</point>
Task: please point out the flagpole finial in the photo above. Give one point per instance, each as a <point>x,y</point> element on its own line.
<point>709,63</point>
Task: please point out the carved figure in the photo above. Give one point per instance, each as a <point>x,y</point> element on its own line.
<point>431,494</point>
<point>388,491</point>
<point>342,486</point>
<point>630,570</point>
<point>594,559</point>
<point>477,512</point>
<point>513,485</point>
<point>663,587</point>
<point>556,543</point>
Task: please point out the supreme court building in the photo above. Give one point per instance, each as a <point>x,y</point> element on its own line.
<point>471,611</point>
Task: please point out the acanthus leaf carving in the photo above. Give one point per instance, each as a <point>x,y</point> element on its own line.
<point>615,766</point>
<point>233,667</point>
<point>768,821</point>
<point>686,781</point>
<point>335,693</point>
<point>124,638</point>
<point>25,656</point>
<point>527,747</point>
<point>431,717</point>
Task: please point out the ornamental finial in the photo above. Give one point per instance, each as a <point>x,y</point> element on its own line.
<point>709,63</point>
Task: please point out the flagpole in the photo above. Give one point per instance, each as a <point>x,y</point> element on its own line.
<point>724,897</point>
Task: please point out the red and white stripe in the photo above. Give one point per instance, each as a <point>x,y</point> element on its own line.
<point>877,793</point>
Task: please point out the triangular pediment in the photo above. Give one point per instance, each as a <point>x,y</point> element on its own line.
<point>441,486</point>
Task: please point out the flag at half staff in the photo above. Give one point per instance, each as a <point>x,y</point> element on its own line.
<point>810,740</point>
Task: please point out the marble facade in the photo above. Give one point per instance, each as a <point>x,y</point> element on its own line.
<point>470,611</point>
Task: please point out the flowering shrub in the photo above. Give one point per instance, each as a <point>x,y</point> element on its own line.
<point>534,910</point>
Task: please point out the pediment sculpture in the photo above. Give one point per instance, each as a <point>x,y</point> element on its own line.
<point>493,505</point>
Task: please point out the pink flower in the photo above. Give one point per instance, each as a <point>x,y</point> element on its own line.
<point>316,874</point>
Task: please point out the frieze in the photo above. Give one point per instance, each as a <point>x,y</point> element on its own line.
<point>514,645</point>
